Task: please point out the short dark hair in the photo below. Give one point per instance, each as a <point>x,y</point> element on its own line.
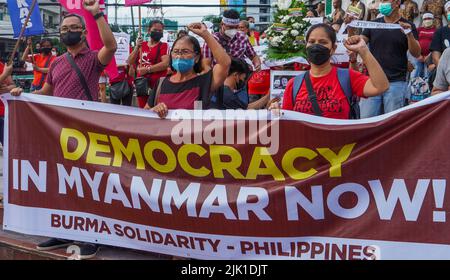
<point>46,40</point>
<point>153,22</point>
<point>233,14</point>
<point>238,65</point>
<point>197,51</point>
<point>83,24</point>
<point>314,12</point>
<point>328,29</point>
<point>248,18</point>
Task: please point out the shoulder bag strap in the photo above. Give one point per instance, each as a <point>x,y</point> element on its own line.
<point>312,96</point>
<point>158,90</point>
<point>80,76</point>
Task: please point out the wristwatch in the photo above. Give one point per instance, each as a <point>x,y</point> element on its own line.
<point>99,15</point>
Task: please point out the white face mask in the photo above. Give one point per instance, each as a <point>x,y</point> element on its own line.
<point>230,33</point>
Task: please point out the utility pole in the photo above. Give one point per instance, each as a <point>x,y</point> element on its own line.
<point>115,13</point>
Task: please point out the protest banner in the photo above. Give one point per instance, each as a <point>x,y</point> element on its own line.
<point>230,184</point>
<point>18,11</point>
<point>123,48</point>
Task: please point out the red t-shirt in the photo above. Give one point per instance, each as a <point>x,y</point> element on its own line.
<point>425,38</point>
<point>259,83</point>
<point>41,61</point>
<point>330,96</point>
<point>150,57</point>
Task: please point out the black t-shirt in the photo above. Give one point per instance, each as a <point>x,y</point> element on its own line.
<point>183,95</point>
<point>390,47</point>
<point>226,98</point>
<point>441,40</point>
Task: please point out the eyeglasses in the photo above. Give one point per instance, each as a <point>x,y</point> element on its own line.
<point>184,52</point>
<point>74,27</point>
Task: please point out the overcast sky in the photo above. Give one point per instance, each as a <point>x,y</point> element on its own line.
<point>183,15</point>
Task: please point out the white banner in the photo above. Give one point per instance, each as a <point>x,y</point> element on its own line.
<point>373,25</point>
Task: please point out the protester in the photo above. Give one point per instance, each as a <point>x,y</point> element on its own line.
<point>321,9</point>
<point>234,93</point>
<point>436,7</point>
<point>6,84</point>
<point>426,32</point>
<point>390,48</point>
<point>358,4</point>
<point>311,13</point>
<point>330,99</point>
<point>441,39</point>
<point>234,42</point>
<point>409,10</point>
<point>186,86</point>
<point>373,10</point>
<point>155,60</point>
<point>63,79</point>
<point>246,27</point>
<point>41,62</point>
<point>338,13</point>
<point>442,80</point>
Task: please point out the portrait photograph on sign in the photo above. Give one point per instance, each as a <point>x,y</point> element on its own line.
<point>279,81</point>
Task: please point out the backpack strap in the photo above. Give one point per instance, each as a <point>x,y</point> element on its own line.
<point>298,80</point>
<point>344,81</point>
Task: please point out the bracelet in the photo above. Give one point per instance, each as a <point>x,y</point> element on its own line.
<point>99,15</point>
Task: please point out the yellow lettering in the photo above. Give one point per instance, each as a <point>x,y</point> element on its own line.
<point>231,166</point>
<point>183,154</point>
<point>288,163</point>
<point>262,155</point>
<point>131,149</point>
<point>336,160</point>
<point>66,134</point>
<point>171,163</point>
<point>95,147</point>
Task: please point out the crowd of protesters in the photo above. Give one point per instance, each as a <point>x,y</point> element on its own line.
<point>225,72</point>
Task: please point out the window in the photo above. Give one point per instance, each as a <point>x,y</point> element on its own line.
<point>263,2</point>
<point>263,19</point>
<point>263,11</point>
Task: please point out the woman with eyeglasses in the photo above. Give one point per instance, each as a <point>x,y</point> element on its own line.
<point>187,85</point>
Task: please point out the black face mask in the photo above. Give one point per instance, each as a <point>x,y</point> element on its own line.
<point>71,38</point>
<point>317,54</point>
<point>156,35</point>
<point>46,51</point>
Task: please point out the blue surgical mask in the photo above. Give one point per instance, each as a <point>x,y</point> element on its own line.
<point>251,26</point>
<point>385,9</point>
<point>183,65</point>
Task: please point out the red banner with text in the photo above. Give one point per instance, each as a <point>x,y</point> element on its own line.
<point>230,184</point>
